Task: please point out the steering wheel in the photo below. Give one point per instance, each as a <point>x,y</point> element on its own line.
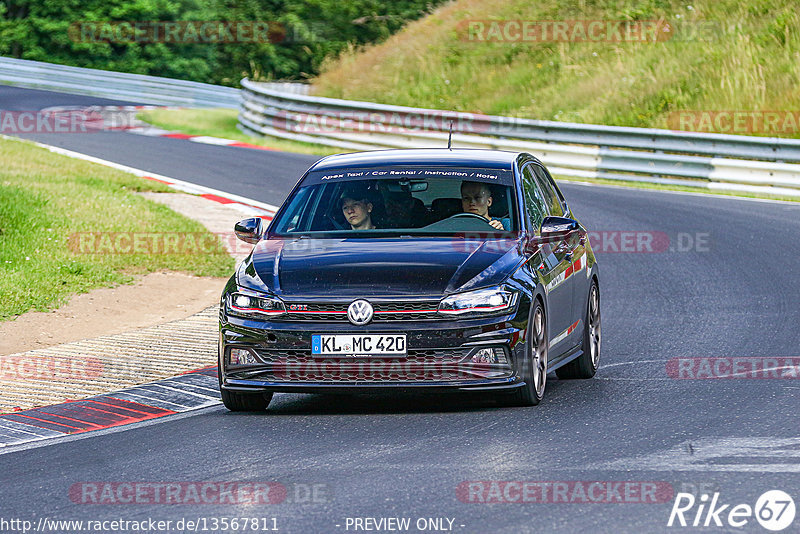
<point>466,214</point>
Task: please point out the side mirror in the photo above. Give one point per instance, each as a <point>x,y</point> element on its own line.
<point>249,230</point>
<point>558,228</point>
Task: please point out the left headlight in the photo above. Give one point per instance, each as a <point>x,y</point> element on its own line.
<point>254,306</point>
<point>493,300</point>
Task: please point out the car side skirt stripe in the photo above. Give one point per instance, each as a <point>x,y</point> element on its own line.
<point>563,335</point>
<point>575,267</point>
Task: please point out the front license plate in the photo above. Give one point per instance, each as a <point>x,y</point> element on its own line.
<point>367,344</point>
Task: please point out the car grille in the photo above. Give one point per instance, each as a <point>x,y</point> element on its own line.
<point>431,356</point>
<point>435,365</point>
<point>383,311</point>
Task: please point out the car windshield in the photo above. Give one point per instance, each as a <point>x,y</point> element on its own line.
<point>408,200</point>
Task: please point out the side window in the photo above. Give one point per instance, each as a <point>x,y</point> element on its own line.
<point>297,208</point>
<point>554,186</point>
<point>551,198</point>
<point>533,197</point>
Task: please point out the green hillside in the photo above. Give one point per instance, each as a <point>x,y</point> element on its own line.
<point>215,41</point>
<point>720,55</point>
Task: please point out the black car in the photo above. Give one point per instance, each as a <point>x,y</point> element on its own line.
<point>408,269</point>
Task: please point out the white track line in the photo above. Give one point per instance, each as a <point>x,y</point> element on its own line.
<point>180,185</point>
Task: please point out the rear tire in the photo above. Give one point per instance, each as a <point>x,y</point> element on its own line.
<point>534,372</point>
<point>585,366</point>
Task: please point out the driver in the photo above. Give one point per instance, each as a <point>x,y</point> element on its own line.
<point>476,197</point>
<point>357,208</point>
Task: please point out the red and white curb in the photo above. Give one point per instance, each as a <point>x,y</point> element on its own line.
<point>62,109</point>
<point>129,108</point>
<point>151,131</point>
<point>123,118</point>
<point>190,391</point>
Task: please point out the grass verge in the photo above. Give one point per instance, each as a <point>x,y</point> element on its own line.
<point>45,198</point>
<point>222,123</point>
<point>722,55</point>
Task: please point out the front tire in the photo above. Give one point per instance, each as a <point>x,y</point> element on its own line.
<point>241,402</point>
<point>245,402</point>
<point>585,366</point>
<point>535,366</point>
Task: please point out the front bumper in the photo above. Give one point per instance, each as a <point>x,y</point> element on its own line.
<point>439,356</point>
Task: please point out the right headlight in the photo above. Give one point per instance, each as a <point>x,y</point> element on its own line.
<point>489,301</point>
<point>254,306</point>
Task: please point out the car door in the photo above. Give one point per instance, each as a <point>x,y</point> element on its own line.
<point>580,268</point>
<point>553,262</point>
<point>569,260</point>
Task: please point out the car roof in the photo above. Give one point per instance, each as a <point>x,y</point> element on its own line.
<point>461,157</point>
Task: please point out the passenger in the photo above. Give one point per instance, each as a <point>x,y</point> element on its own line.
<point>357,208</point>
<point>402,209</point>
<point>476,197</point>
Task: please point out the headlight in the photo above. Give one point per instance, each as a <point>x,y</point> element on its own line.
<point>494,300</point>
<point>244,305</point>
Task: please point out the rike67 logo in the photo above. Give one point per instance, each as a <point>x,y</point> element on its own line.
<point>774,510</point>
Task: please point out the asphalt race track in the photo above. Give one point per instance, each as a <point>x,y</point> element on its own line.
<point>720,282</point>
<point>207,165</point>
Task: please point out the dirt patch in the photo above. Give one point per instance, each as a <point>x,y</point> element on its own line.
<point>153,299</point>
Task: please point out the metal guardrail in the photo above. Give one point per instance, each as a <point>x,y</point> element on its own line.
<point>116,85</point>
<point>714,161</point>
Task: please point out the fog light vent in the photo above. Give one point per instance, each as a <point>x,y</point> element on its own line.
<point>489,355</point>
<point>242,357</point>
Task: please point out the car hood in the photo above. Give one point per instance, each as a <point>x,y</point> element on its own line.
<point>381,267</point>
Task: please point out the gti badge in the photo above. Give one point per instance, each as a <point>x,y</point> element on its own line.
<point>359,312</point>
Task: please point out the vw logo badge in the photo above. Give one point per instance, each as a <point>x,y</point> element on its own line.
<point>359,312</point>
